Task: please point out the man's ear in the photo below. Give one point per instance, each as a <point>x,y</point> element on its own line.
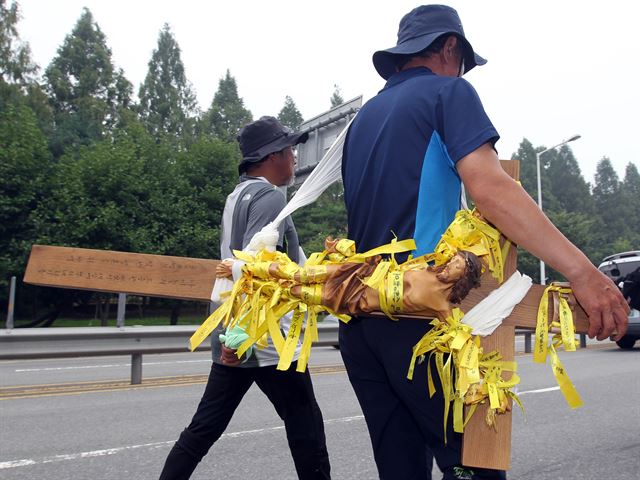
<point>450,48</point>
<point>269,158</point>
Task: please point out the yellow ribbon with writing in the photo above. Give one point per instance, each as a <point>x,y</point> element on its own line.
<point>566,337</point>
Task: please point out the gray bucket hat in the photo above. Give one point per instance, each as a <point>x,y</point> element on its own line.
<point>263,137</point>
<point>420,28</point>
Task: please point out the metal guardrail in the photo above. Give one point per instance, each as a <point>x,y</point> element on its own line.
<point>65,342</point>
<point>529,333</point>
<point>68,342</point>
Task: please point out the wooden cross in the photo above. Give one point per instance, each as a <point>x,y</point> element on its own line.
<point>481,446</point>
<point>193,279</point>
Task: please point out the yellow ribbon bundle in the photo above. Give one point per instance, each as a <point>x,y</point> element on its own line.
<point>478,376</point>
<point>468,231</point>
<point>565,337</point>
<point>258,301</point>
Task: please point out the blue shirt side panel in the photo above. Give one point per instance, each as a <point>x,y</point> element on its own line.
<point>438,196</point>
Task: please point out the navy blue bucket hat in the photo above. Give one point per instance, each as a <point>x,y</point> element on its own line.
<point>420,28</point>
<point>263,137</point>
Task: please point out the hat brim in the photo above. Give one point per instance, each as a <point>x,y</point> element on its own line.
<point>278,144</point>
<point>385,60</point>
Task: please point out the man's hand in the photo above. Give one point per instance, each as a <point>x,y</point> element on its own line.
<point>224,269</point>
<point>607,309</point>
<point>228,357</point>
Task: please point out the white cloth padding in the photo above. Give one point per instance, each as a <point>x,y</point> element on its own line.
<point>221,285</point>
<point>328,171</point>
<point>488,315</point>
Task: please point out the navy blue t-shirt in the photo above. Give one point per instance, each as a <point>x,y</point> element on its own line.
<point>400,154</point>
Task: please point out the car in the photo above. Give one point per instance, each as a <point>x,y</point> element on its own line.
<point>633,331</point>
<point>624,270</point>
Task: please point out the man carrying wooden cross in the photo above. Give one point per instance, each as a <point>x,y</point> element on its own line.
<point>404,158</point>
<point>268,162</point>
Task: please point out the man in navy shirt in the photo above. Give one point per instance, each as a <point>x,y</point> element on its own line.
<point>406,156</point>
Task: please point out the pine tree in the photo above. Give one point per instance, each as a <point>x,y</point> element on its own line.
<point>18,85</point>
<point>168,105</point>
<point>565,198</point>
<point>609,202</point>
<point>526,155</point>
<point>84,89</point>
<point>227,114</point>
<point>290,116</point>
<point>336,98</point>
<point>566,183</point>
<point>631,199</point>
<point>16,66</point>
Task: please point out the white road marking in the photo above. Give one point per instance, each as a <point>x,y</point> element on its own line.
<point>540,390</point>
<point>84,367</point>
<point>113,451</point>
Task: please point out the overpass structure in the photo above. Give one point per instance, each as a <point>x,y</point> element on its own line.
<point>323,129</point>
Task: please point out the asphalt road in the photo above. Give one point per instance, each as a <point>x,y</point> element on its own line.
<point>80,419</point>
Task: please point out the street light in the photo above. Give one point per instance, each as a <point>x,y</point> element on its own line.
<point>538,155</point>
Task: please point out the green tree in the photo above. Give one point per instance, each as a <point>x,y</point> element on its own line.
<point>227,114</point>
<point>336,99</point>
<point>84,88</point>
<point>526,154</point>
<point>567,184</point>
<point>210,169</point>
<point>290,116</point>
<point>16,66</point>
<point>631,200</point>
<point>135,194</point>
<point>609,202</point>
<point>565,198</point>
<point>326,216</point>
<point>24,169</point>
<point>18,84</point>
<point>168,106</point>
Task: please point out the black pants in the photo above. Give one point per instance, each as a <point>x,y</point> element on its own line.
<point>290,392</point>
<point>405,425</point>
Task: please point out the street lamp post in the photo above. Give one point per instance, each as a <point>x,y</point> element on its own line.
<point>538,155</point>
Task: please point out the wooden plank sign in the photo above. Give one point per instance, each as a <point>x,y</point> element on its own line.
<point>121,272</point>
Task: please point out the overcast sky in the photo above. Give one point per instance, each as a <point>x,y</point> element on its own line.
<point>556,68</point>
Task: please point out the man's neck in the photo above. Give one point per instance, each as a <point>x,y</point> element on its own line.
<point>263,173</point>
<point>433,63</point>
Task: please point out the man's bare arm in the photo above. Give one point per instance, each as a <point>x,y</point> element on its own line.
<point>505,204</point>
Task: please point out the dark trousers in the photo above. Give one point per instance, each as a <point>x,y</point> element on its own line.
<point>405,425</point>
<point>290,392</point>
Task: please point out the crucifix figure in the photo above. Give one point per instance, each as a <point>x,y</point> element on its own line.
<point>427,292</point>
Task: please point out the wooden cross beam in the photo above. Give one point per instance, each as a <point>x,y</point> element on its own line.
<point>119,272</point>
<point>193,279</point>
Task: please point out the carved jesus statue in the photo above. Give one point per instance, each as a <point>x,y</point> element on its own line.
<point>421,290</point>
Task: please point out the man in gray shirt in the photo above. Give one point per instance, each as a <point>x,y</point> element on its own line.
<point>268,162</point>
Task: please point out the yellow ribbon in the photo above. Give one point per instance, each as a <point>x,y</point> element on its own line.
<point>478,376</point>
<point>543,347</point>
<point>469,232</point>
